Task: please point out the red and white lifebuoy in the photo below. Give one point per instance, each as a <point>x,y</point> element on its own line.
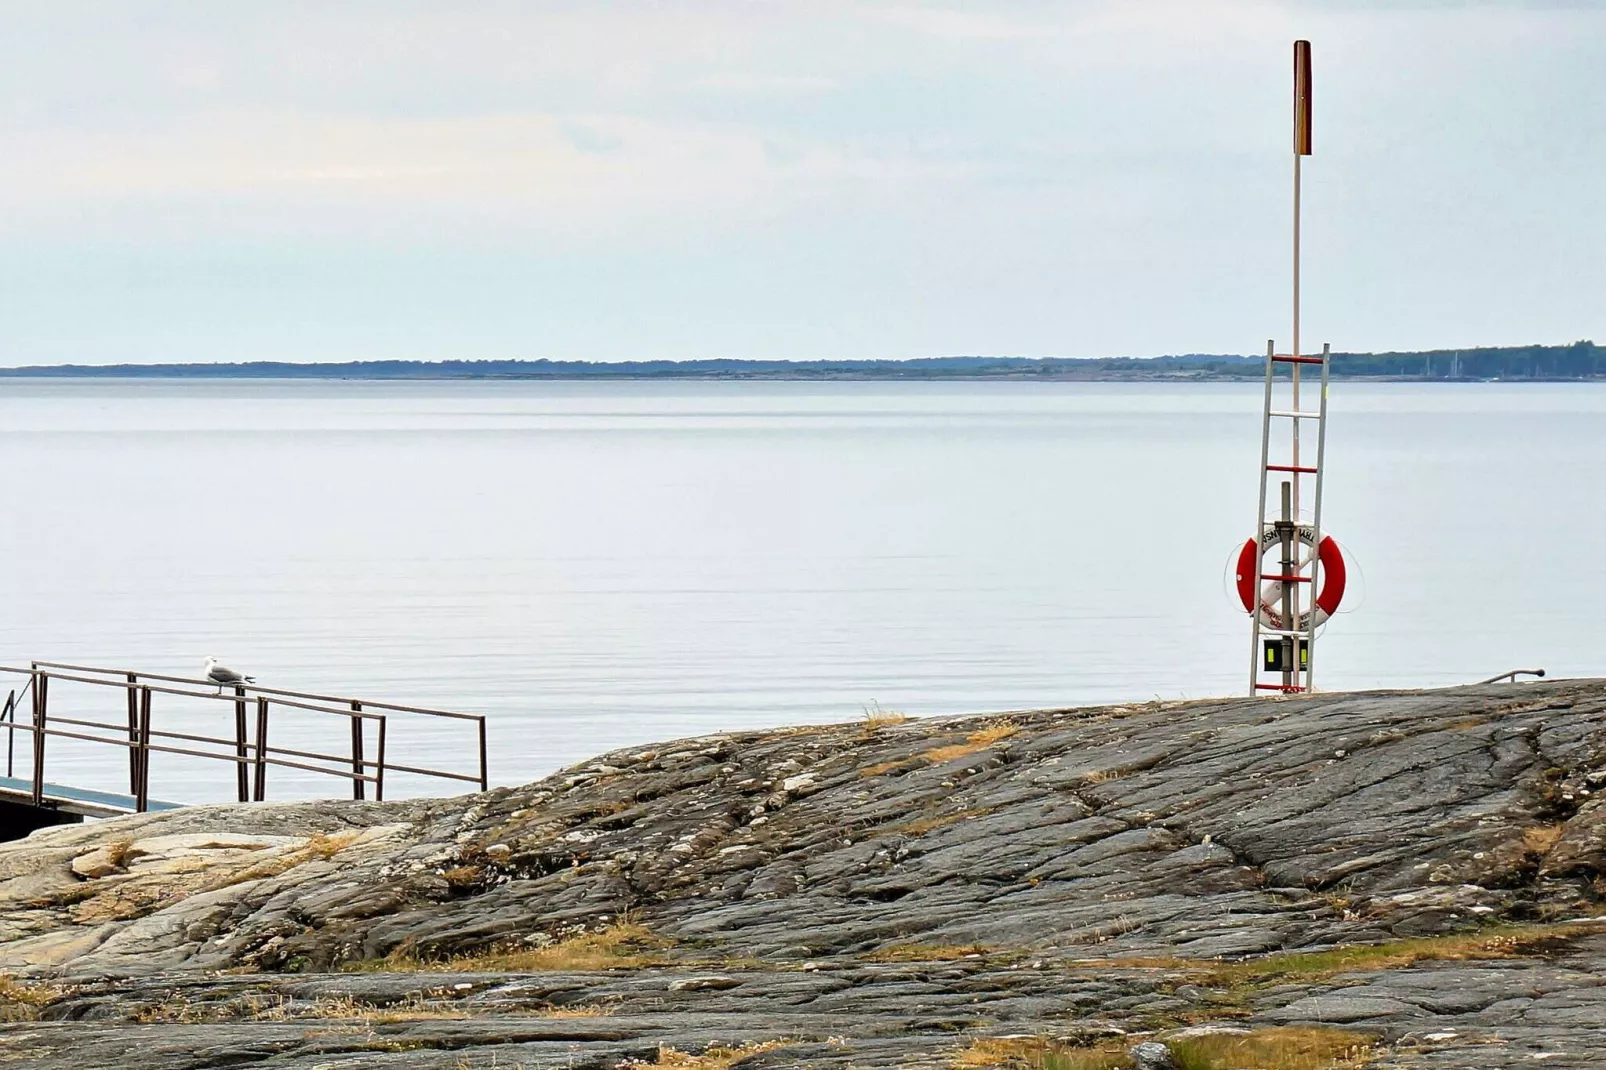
<point>1333,576</point>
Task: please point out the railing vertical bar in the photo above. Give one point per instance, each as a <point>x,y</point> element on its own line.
<point>356,751</point>
<point>485,779</point>
<point>142,791</point>
<point>133,732</point>
<point>241,773</point>
<point>41,709</point>
<point>379,771</point>
<point>262,749</point>
<point>11,728</point>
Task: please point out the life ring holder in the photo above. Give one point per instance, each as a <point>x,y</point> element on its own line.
<point>1334,575</point>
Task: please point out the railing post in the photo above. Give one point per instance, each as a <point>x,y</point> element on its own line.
<point>11,729</point>
<point>133,733</point>
<point>485,780</point>
<point>142,789</point>
<point>379,769</point>
<point>40,711</point>
<point>356,751</point>
<point>262,749</point>
<point>242,775</point>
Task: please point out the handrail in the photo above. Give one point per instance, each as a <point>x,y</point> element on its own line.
<point>365,778</point>
<point>1512,675</point>
<point>245,753</point>
<point>258,689</point>
<point>210,696</point>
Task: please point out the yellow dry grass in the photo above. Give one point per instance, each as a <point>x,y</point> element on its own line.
<point>342,1008</point>
<point>575,1010</point>
<point>979,740</point>
<point>117,852</point>
<point>347,1007</point>
<point>1288,1048</point>
<point>875,717</point>
<point>715,1058</point>
<point>1031,1053</point>
<point>925,953</point>
<point>625,944</point>
<point>319,847</point>
<point>1539,839</point>
<point>930,824</point>
<point>20,1001</point>
<point>1498,942</point>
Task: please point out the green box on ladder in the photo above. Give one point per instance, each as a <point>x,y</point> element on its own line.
<point>1275,660</point>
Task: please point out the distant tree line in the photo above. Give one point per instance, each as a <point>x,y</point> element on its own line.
<point>1581,360</point>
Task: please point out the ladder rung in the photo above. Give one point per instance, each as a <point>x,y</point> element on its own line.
<point>1296,360</point>
<point>1287,689</point>
<point>1284,632</point>
<point>1288,468</point>
<point>1297,415</point>
<point>1285,579</point>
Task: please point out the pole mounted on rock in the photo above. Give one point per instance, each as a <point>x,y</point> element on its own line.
<point>1287,605</point>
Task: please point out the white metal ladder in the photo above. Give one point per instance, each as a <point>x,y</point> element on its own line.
<point>1296,581</point>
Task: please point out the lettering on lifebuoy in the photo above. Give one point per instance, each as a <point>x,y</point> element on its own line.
<point>1333,577</point>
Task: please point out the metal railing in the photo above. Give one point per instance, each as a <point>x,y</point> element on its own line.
<point>1512,675</point>
<point>249,748</point>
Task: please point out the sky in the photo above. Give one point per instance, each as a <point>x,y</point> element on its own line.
<point>188,180</point>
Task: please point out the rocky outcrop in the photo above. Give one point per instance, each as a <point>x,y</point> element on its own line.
<point>865,894</point>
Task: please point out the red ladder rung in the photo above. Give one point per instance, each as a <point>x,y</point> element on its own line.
<point>1286,579</point>
<point>1289,468</point>
<point>1285,688</point>
<point>1296,360</point>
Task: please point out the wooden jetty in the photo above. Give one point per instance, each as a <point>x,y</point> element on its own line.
<point>29,798</point>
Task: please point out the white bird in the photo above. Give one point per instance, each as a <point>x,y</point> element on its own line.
<point>221,675</point>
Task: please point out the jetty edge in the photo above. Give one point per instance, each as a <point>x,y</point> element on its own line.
<point>1419,875</point>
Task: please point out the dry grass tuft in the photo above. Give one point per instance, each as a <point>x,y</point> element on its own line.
<point>1290,1048</point>
<point>1498,942</point>
<point>461,878</point>
<point>20,1001</point>
<point>117,852</point>
<point>930,824</point>
<point>346,1008</point>
<point>715,1058</point>
<point>882,768</point>
<point>1031,1053</point>
<point>979,740</point>
<point>626,944</point>
<point>876,718</point>
<point>575,1010</point>
<point>1538,840</point>
<point>925,953</point>
<point>319,847</point>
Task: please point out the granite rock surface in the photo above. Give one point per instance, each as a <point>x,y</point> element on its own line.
<point>865,895</point>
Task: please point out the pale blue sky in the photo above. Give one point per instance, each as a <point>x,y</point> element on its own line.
<point>213,180</point>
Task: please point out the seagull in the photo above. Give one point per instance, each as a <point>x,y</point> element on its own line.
<point>221,675</point>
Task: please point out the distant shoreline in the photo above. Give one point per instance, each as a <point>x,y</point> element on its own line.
<point>1581,361</point>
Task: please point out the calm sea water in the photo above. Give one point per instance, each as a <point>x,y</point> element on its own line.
<point>596,565</point>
